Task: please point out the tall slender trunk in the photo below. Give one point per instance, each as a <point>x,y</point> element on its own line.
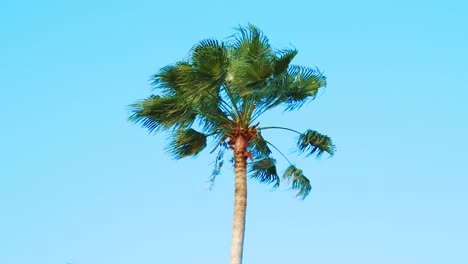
<point>240,200</point>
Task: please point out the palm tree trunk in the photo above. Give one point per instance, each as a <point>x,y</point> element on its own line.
<point>240,200</point>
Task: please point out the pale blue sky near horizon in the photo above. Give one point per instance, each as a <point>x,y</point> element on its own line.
<point>81,185</point>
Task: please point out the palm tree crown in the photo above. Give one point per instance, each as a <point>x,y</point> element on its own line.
<point>222,90</point>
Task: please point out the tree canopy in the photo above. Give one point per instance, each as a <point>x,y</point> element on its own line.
<point>220,92</point>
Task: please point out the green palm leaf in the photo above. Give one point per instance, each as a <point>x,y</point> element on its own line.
<point>199,79</point>
<point>313,142</point>
<point>172,78</point>
<point>282,62</point>
<point>252,60</point>
<point>187,143</point>
<point>264,170</point>
<point>156,112</point>
<point>298,181</point>
<point>259,147</point>
<point>209,58</point>
<point>293,88</point>
<point>218,163</point>
<point>299,85</point>
<point>251,44</point>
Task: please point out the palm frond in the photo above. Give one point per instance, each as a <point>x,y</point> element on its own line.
<point>186,143</point>
<point>282,62</point>
<point>210,59</point>
<point>313,142</point>
<point>296,86</point>
<point>298,181</point>
<point>213,119</point>
<point>246,76</point>
<point>304,84</point>
<point>264,170</point>
<point>259,147</point>
<point>293,88</point>
<point>196,86</point>
<point>218,164</point>
<point>199,79</point>
<point>251,44</point>
<point>156,112</point>
<point>251,60</point>
<point>170,79</point>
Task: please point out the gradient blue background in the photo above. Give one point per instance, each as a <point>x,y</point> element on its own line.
<point>81,185</point>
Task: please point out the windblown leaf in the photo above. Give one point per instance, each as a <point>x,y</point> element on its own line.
<point>209,58</point>
<point>313,142</point>
<point>259,147</point>
<point>282,62</point>
<point>197,81</point>
<point>156,112</point>
<point>251,44</point>
<point>294,88</point>
<point>187,143</point>
<point>218,164</point>
<point>298,181</point>
<point>251,61</point>
<point>305,85</point>
<point>172,78</point>
<point>264,170</point>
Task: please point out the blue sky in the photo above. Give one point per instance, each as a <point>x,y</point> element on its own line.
<point>81,185</point>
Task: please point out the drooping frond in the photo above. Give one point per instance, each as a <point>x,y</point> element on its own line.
<point>313,142</point>
<point>264,170</point>
<point>259,147</point>
<point>298,181</point>
<point>186,143</point>
<point>218,164</point>
<point>213,119</point>
<point>156,112</point>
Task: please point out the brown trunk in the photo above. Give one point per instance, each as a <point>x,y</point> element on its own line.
<point>240,200</point>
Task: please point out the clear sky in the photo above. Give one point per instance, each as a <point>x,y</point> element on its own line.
<point>81,185</point>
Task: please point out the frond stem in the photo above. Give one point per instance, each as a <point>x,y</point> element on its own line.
<point>234,104</point>
<point>212,134</point>
<point>224,106</point>
<point>284,156</point>
<point>283,128</point>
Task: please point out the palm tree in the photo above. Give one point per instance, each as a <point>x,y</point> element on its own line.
<point>220,92</point>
